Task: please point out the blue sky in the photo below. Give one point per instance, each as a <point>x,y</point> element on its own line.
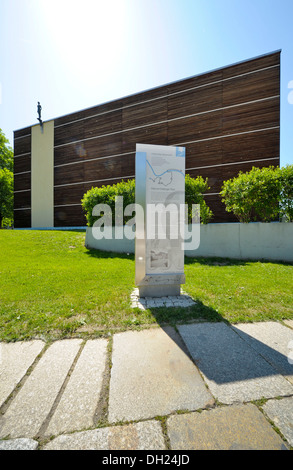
<point>73,54</point>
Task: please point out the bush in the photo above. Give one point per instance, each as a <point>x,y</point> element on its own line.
<point>286,202</point>
<point>194,190</point>
<point>260,195</point>
<point>107,195</point>
<point>6,223</point>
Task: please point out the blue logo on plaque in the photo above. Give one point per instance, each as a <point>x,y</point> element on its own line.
<point>180,152</point>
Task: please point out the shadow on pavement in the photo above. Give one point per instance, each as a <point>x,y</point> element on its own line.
<point>222,351</point>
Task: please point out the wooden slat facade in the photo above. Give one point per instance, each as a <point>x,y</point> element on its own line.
<point>228,120</point>
<point>22,178</point>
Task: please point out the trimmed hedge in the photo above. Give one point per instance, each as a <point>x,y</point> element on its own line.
<point>194,190</point>
<point>262,194</point>
<point>107,195</point>
<point>286,193</point>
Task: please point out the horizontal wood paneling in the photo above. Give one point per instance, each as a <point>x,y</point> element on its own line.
<point>70,133</point>
<point>101,125</point>
<point>252,65</point>
<point>252,146</point>
<point>70,174</point>
<point>204,153</point>
<point>22,181</point>
<point>197,81</point>
<point>258,115</point>
<point>222,117</point>
<point>69,217</point>
<point>22,145</point>
<point>99,184</point>
<point>195,128</point>
<point>67,195</point>
<point>22,219</point>
<point>145,113</point>
<point>229,171</point>
<point>195,101</point>
<point>95,148</point>
<point>104,168</point>
<point>157,134</point>
<point>22,200</point>
<point>22,164</point>
<point>251,87</point>
<point>138,98</point>
<point>214,176</point>
<point>218,209</point>
<point>22,132</point>
<point>89,112</point>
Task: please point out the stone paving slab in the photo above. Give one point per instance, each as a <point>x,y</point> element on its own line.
<point>19,444</point>
<point>152,375</point>
<point>146,435</point>
<point>232,369</point>
<point>273,341</point>
<point>237,427</point>
<point>78,404</point>
<point>15,360</point>
<point>281,413</point>
<point>34,400</point>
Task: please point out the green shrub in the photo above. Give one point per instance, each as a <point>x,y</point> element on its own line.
<point>107,195</point>
<point>7,223</point>
<point>286,202</point>
<point>194,190</point>
<point>255,195</point>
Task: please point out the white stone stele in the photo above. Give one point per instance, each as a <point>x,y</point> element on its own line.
<point>182,300</point>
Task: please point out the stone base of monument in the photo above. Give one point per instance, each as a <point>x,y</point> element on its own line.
<point>181,300</point>
<point>159,290</point>
<point>160,285</point>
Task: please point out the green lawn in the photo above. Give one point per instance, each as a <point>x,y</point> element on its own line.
<point>52,287</point>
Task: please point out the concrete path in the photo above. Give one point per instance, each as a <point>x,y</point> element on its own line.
<point>196,386</point>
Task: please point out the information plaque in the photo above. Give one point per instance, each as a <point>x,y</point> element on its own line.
<point>159,243</point>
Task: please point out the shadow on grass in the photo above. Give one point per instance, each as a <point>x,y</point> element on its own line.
<point>188,260</point>
<point>108,254</point>
<point>178,315</point>
<point>216,261</point>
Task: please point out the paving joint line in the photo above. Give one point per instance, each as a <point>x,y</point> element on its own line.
<point>267,360</point>
<point>163,419</point>
<point>102,409</point>
<point>163,422</point>
<point>41,433</point>
<point>4,407</point>
<point>272,424</point>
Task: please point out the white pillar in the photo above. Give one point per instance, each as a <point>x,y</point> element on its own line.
<point>42,175</point>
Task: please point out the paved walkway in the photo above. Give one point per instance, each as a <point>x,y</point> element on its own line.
<point>196,386</point>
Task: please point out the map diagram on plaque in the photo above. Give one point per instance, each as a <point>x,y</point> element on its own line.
<point>164,178</point>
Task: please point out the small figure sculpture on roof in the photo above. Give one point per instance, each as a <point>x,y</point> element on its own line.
<point>39,112</point>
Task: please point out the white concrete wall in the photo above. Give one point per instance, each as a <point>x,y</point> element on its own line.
<point>271,241</point>
<point>118,246</point>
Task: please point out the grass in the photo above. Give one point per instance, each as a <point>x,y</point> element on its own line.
<point>52,287</point>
